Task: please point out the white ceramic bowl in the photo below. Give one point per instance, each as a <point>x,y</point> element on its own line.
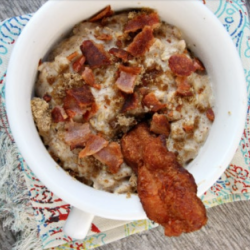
<point>207,38</point>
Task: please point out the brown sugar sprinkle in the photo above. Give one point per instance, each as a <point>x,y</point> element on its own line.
<point>47,97</point>
<point>106,12</point>
<point>72,56</point>
<point>210,114</point>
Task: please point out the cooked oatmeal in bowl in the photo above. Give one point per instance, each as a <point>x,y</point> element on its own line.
<point>109,75</point>
<point>123,105</point>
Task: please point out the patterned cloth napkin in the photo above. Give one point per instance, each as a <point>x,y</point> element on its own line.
<point>51,212</point>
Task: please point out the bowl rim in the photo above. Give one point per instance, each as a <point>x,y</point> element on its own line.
<point>93,202</point>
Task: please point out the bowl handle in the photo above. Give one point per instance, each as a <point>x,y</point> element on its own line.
<point>78,223</point>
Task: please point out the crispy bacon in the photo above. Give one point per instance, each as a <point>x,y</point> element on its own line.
<point>131,102</point>
<point>104,37</point>
<point>151,102</point>
<point>90,113</point>
<point>89,78</point>
<point>93,145</point>
<point>183,87</point>
<point>121,53</point>
<point>58,114</point>
<point>106,12</point>
<point>111,156</point>
<point>77,100</point>
<point>188,128</point>
<point>198,65</point>
<point>76,134</point>
<point>78,64</point>
<point>142,20</point>
<point>210,114</point>
<point>47,97</point>
<point>160,125</point>
<point>72,56</point>
<point>95,54</point>
<point>181,65</point>
<point>127,78</point>
<point>142,42</point>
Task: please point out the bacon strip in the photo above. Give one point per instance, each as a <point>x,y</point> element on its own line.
<point>142,42</point>
<point>77,134</point>
<point>210,114</point>
<point>89,78</point>
<point>183,87</point>
<point>142,20</point>
<point>181,65</point>
<point>127,78</point>
<point>104,37</point>
<point>121,53</point>
<point>78,64</point>
<point>106,12</point>
<point>47,97</point>
<point>160,125</point>
<point>72,56</point>
<point>90,113</point>
<point>95,54</point>
<point>58,114</point>
<point>131,102</point>
<point>198,65</point>
<point>151,102</point>
<point>93,145</point>
<point>111,156</point>
<point>77,100</point>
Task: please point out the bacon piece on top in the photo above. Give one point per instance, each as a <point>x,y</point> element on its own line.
<point>58,114</point>
<point>142,42</point>
<point>183,87</point>
<point>89,78</point>
<point>131,102</point>
<point>47,97</point>
<point>121,53</point>
<point>111,156</point>
<point>90,113</point>
<point>181,65</point>
<point>210,114</point>
<point>104,37</point>
<point>151,102</point>
<point>127,78</point>
<point>78,100</point>
<point>78,64</point>
<point>93,145</point>
<point>198,65</point>
<point>76,134</point>
<point>106,12</point>
<point>72,56</point>
<point>142,20</point>
<point>95,54</point>
<point>160,125</point>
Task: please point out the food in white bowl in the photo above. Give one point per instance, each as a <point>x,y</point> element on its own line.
<point>224,134</point>
<point>118,81</point>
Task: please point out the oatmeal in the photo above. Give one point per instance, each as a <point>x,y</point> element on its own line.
<point>113,72</point>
